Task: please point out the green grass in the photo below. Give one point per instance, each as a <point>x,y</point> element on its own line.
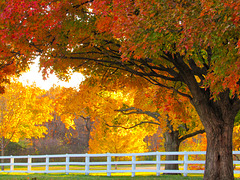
<point>17,176</point>
<point>83,177</point>
<point>92,176</point>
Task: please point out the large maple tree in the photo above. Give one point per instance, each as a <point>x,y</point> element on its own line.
<point>191,44</point>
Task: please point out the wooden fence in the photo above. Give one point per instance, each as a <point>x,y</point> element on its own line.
<point>151,162</point>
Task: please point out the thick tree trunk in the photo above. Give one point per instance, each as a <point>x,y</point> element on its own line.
<point>171,145</point>
<point>217,117</point>
<point>219,159</point>
<point>218,120</point>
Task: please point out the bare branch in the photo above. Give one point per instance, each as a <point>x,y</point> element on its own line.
<point>191,135</point>
<point>133,110</point>
<point>138,124</point>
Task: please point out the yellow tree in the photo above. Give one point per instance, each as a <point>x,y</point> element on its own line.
<point>24,109</point>
<point>71,107</point>
<point>173,114</point>
<point>97,105</point>
<point>124,103</point>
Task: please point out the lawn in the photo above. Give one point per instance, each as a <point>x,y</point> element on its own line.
<point>83,177</point>
<point>92,176</point>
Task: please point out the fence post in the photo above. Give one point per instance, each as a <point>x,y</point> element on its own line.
<point>47,164</point>
<point>185,165</point>
<point>67,163</point>
<point>12,163</point>
<point>87,160</point>
<point>133,165</point>
<point>109,165</point>
<point>158,162</point>
<point>29,164</point>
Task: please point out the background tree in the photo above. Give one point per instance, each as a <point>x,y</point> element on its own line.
<point>62,134</point>
<point>120,103</point>
<point>65,130</point>
<point>97,103</point>
<point>174,115</point>
<point>61,140</point>
<point>23,112</point>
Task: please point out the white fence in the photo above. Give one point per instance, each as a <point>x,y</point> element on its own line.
<point>105,163</point>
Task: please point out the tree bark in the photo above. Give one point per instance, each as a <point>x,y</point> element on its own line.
<point>218,120</point>
<point>171,144</point>
<point>219,159</point>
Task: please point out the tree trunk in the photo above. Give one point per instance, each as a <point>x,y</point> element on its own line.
<point>171,145</point>
<point>218,120</point>
<point>88,125</point>
<point>216,115</point>
<point>219,159</point>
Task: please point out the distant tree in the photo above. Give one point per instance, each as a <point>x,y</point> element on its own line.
<point>23,112</point>
<point>66,133</point>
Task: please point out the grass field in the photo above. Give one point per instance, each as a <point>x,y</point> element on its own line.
<point>116,176</point>
<point>92,176</point>
<point>83,177</point>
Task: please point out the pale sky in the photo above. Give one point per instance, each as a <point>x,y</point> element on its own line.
<point>33,75</point>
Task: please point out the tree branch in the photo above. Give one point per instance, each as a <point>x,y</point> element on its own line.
<point>133,110</point>
<point>191,135</point>
<point>138,124</point>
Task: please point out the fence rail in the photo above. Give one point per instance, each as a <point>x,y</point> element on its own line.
<point>108,163</point>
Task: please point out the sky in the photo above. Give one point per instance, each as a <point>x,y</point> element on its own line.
<point>34,75</point>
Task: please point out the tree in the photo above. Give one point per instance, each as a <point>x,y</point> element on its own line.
<point>173,114</point>
<point>121,103</point>
<point>64,133</point>
<point>96,104</point>
<point>24,109</point>
<point>69,110</point>
<point>194,44</point>
<point>61,140</point>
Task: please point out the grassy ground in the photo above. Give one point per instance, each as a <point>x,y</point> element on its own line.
<point>83,177</point>
<point>99,176</point>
